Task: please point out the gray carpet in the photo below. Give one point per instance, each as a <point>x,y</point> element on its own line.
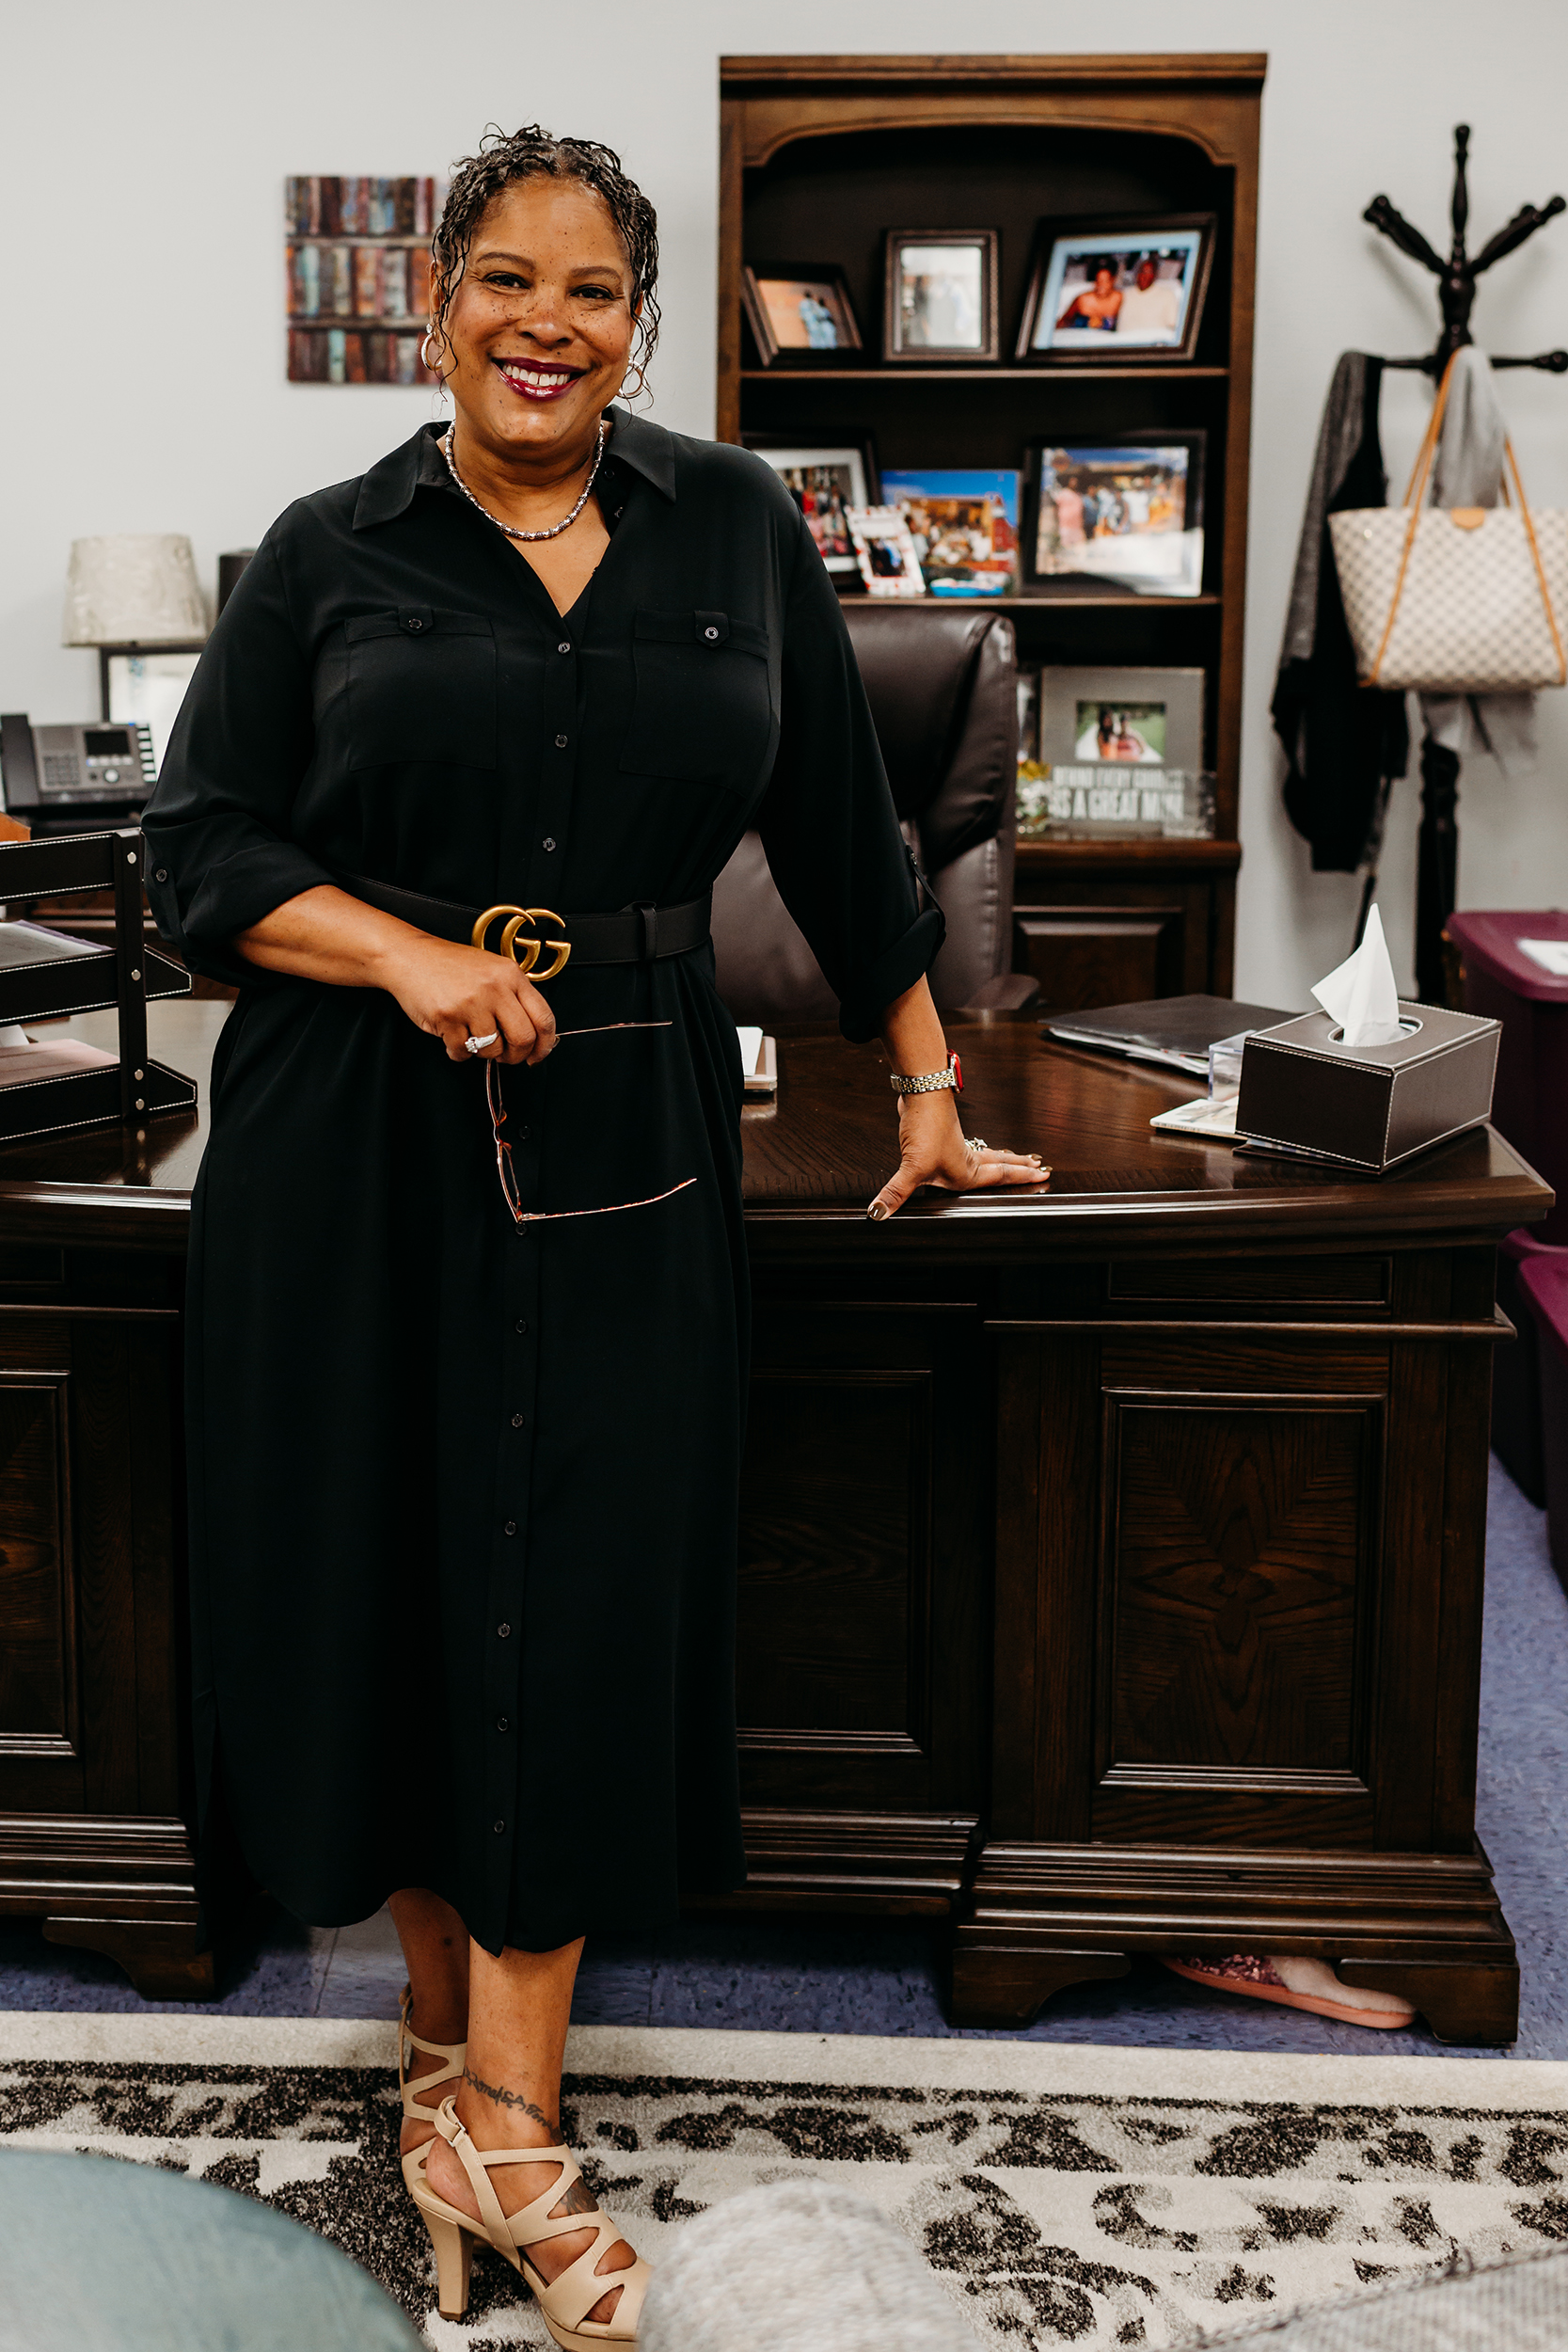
<point>802,1975</point>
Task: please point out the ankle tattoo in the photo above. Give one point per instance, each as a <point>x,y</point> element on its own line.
<point>498,2093</point>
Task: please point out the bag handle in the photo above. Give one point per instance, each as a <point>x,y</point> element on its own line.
<point>1535,553</point>
<point>1414,495</point>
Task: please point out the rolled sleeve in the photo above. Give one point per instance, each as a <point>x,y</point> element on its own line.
<point>218,827</point>
<point>827,821</point>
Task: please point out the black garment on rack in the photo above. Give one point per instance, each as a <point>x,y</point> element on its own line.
<point>1345,742</point>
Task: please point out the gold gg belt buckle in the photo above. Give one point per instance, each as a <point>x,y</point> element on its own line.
<point>528,955</point>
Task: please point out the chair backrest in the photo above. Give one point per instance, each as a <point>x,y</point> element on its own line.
<point>942,689</point>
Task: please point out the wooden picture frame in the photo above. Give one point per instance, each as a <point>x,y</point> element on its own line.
<point>820,301</point>
<point>1129,242</point>
<point>962,299</point>
<point>849,460</point>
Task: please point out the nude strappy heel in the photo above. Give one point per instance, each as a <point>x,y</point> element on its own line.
<point>414,2104</point>
<point>563,2302</point>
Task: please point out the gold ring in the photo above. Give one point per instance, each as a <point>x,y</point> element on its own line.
<point>528,958</point>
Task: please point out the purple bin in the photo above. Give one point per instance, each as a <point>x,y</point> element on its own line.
<point>1529,1106</point>
<point>1542,1281</point>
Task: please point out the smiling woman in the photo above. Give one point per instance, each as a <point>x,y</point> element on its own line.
<point>465,1454</point>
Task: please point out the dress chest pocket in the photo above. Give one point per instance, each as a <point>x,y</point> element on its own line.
<point>421,686</point>
<point>704,706</point>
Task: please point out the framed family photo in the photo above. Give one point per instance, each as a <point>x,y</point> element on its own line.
<point>940,296</point>
<point>1126,509</point>
<point>964,525</point>
<point>798,308</point>
<point>825,479</point>
<point>1116,289</point>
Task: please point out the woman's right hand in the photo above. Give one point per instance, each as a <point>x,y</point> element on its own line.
<point>458,993</point>
<point>450,991</point>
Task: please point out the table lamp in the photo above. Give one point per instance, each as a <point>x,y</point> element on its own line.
<point>131,593</point>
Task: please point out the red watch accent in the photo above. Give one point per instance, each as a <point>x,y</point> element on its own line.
<point>955,1066</point>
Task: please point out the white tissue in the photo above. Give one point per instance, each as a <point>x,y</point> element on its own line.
<point>1361,995</point>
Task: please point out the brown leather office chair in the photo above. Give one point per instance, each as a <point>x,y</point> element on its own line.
<point>944,697</point>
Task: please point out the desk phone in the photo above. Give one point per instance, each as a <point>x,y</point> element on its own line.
<point>58,777</point>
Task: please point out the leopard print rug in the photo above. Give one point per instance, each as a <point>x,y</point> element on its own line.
<point>1061,2195</point>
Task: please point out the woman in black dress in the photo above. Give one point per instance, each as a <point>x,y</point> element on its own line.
<point>466,1420</point>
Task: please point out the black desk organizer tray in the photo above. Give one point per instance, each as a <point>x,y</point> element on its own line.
<point>47,975</point>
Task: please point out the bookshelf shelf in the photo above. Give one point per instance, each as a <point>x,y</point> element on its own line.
<point>1035,600</point>
<point>979,373</point>
<point>820,158</point>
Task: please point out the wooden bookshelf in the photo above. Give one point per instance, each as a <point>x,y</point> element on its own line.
<point>818,157</point>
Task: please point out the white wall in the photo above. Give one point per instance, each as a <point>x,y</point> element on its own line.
<point>141,184</point>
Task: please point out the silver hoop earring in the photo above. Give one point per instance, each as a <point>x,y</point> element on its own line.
<point>425,359</point>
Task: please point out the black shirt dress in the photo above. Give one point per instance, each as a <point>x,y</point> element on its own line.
<point>463,1491</point>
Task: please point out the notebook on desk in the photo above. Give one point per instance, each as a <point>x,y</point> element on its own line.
<point>1174,1031</point>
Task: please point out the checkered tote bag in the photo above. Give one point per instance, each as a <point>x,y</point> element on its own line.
<point>1454,599</point>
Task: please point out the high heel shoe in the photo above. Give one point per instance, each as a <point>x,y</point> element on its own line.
<point>414,2107</point>
<point>564,2301</point>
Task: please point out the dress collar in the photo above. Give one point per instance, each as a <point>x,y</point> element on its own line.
<point>391,481</point>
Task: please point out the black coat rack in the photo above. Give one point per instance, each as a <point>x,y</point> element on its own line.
<point>1437,859</point>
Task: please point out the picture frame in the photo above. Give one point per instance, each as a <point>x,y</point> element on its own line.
<point>825,478</point>
<point>1125,509</point>
<point>939,296</point>
<point>798,311</point>
<point>1117,291</point>
<point>1155,717</point>
<point>884,551</point>
<point>964,524</point>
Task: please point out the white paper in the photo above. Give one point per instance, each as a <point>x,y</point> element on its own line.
<point>1550,954</point>
<point>1361,995</point>
<point>751,1049</point>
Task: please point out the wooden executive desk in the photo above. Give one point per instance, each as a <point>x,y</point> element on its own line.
<point>1110,1561</point>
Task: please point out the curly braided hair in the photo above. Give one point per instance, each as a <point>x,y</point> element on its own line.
<point>534,153</point>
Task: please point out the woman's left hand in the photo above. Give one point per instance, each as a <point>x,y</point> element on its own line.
<point>933,1149</point>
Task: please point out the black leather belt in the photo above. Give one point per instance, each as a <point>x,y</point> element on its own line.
<point>639,935</point>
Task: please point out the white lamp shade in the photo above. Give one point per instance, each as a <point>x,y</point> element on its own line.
<point>134,589</point>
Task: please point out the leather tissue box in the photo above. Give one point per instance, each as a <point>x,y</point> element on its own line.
<point>1367,1107</point>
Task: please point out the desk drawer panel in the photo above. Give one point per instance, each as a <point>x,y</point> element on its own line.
<point>38,1678</point>
<point>1238,1537</point>
<point>862,1555</point>
<point>1359,1282</point>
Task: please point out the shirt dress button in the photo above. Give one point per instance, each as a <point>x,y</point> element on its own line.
<point>561,742</point>
<point>413,625</point>
<point>712,636</point>
<point>504,1722</point>
<point>501,1829</point>
<point>510,1528</point>
<point>162,874</point>
<point>502,1632</point>
<point>518,1420</point>
<point>548,842</point>
<point>522,1323</point>
<point>564,646</point>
